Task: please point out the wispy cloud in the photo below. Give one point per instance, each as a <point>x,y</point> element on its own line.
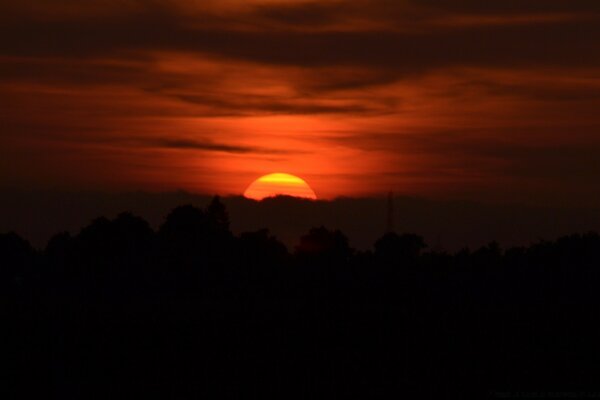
<point>188,144</point>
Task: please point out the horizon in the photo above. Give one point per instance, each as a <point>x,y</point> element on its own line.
<point>380,195</point>
<point>446,224</point>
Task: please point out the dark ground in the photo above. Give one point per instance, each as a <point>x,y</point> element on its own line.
<point>191,311</point>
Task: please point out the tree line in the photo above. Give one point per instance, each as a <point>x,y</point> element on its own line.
<point>120,310</point>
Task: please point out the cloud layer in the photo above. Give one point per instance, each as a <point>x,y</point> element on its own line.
<point>491,100</point>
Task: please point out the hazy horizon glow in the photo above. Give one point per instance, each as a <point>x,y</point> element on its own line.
<point>439,98</point>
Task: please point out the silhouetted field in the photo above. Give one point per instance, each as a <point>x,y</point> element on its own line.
<point>191,311</point>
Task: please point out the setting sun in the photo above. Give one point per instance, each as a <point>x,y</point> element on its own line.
<point>278,184</point>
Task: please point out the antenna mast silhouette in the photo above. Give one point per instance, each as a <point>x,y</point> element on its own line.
<point>390,213</point>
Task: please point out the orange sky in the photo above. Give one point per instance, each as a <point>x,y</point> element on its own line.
<point>435,98</point>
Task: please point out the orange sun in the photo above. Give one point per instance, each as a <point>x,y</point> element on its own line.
<point>279,184</point>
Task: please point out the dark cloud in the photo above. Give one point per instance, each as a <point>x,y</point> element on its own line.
<point>562,43</point>
<point>510,6</point>
<point>456,155</point>
<point>548,93</point>
<point>414,53</point>
<point>401,45</point>
<point>305,14</point>
<point>188,144</point>
<point>233,105</point>
<point>72,72</point>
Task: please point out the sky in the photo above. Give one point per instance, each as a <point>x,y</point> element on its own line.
<point>495,101</point>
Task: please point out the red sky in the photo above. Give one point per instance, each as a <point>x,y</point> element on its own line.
<point>438,98</point>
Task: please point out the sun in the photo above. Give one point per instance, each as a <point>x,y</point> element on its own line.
<point>278,184</point>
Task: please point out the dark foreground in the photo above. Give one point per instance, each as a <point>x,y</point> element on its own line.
<point>190,311</point>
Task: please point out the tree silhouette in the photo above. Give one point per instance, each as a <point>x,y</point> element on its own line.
<point>16,255</point>
<point>262,249</point>
<point>217,215</point>
<point>395,249</point>
<point>323,244</point>
<point>194,311</point>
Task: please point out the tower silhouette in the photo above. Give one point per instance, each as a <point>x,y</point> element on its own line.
<point>390,213</point>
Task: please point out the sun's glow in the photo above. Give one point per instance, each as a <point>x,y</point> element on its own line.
<point>278,184</point>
